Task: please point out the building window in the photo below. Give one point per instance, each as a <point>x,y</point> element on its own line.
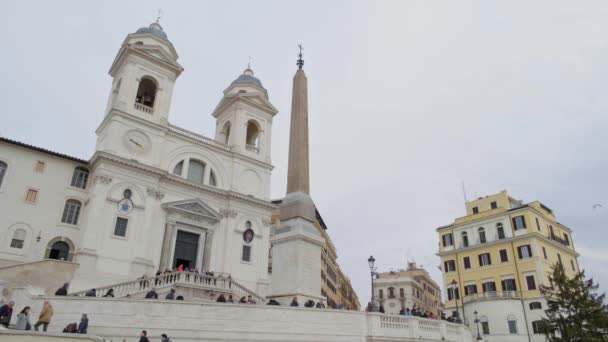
<point>488,286</point>
<point>196,171</point>
<point>177,170</point>
<point>536,306</point>
<point>447,240</point>
<point>31,196</point>
<point>401,293</point>
<point>572,264</point>
<point>380,294</point>
<point>453,294</point>
<point>391,292</point>
<point>493,205</point>
<point>544,252</point>
<point>475,210</point>
<point>18,238</point>
<point>470,289</point>
<point>482,235</point>
<point>484,259</point>
<point>566,239</point>
<point>524,251</point>
<point>537,327</point>
<point>537,224</point>
<point>504,257</point>
<point>3,167</point>
<point>212,180</point>
<point>39,166</point>
<point>120,228</point>
<point>551,231</point>
<point>519,222</point>
<point>246,256</point>
<point>530,282</point>
<point>508,285</point>
<point>80,177</point>
<point>465,239</point>
<point>71,212</point>
<point>253,136</point>
<point>500,230</point>
<point>512,323</point>
<point>467,262</point>
<point>450,266</point>
<point>485,326</point>
<point>60,250</point>
<point>559,258</point>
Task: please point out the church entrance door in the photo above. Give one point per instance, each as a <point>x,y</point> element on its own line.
<point>186,250</point>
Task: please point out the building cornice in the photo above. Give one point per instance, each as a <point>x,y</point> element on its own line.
<point>163,175</point>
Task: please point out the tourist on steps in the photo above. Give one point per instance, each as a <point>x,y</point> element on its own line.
<point>84,324</point>
<point>152,294</point>
<point>62,291</point>
<point>170,295</point>
<point>6,312</point>
<point>221,299</point>
<point>23,319</point>
<point>250,300</point>
<point>164,338</point>
<point>229,300</point>
<point>320,304</point>
<point>294,302</point>
<point>45,316</point>
<point>110,293</point>
<point>143,336</point>
<point>91,293</point>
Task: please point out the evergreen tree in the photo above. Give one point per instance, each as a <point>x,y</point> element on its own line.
<point>575,313</point>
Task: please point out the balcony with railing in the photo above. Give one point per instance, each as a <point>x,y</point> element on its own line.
<point>143,108</point>
<point>252,148</point>
<point>492,295</point>
<point>558,239</point>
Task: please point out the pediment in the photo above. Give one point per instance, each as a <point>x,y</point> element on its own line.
<point>157,52</point>
<point>255,101</point>
<point>194,207</point>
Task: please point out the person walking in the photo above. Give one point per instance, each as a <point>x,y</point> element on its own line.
<point>164,338</point>
<point>143,336</point>
<point>6,312</point>
<point>84,324</point>
<point>45,316</point>
<point>63,290</point>
<point>110,293</point>
<point>23,319</point>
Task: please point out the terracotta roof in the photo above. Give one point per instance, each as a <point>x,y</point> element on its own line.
<point>43,150</point>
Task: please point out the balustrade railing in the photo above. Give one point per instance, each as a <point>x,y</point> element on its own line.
<point>488,295</point>
<point>217,283</point>
<point>398,327</point>
<point>253,148</point>
<point>558,239</point>
<point>197,137</point>
<point>143,108</point>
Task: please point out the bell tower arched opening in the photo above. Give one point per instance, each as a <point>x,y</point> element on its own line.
<point>253,136</point>
<point>146,92</point>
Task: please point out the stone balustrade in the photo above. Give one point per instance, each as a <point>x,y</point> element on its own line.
<point>252,148</point>
<point>491,295</point>
<point>120,318</point>
<point>143,108</point>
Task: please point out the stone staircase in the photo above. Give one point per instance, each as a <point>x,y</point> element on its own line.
<point>193,286</point>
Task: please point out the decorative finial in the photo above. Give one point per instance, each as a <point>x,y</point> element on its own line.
<point>300,62</point>
<point>160,14</point>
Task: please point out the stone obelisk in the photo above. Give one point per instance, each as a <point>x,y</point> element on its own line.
<point>297,243</point>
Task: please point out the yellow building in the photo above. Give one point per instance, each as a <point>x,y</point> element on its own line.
<point>494,261</point>
<point>335,285</point>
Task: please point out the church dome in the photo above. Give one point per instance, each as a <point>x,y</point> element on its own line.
<point>247,77</point>
<point>154,29</point>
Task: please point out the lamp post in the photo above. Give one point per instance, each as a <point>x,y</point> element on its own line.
<point>372,269</point>
<point>477,322</point>
<point>454,289</point>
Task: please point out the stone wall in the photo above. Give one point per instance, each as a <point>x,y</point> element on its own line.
<point>44,276</point>
<point>118,319</point>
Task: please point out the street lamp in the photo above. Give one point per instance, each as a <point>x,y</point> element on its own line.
<point>477,322</point>
<point>371,262</point>
<point>454,289</point>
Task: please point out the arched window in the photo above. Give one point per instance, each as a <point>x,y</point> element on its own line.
<point>59,250</point>
<point>482,235</point>
<point>18,238</point>
<point>253,136</point>
<point>71,211</point>
<point>80,177</point>
<point>226,132</point>
<point>500,231</point>
<point>465,239</point>
<point>3,168</point>
<point>177,170</point>
<point>146,93</point>
<point>196,171</point>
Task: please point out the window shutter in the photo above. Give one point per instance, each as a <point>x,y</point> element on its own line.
<point>503,284</point>
<point>514,223</point>
<point>523,220</point>
<point>519,252</point>
<point>443,239</point>
<point>479,259</point>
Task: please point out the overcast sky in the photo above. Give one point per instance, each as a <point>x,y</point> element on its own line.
<point>407,100</point>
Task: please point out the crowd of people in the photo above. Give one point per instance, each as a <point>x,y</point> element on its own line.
<point>23,321</point>
<point>415,312</point>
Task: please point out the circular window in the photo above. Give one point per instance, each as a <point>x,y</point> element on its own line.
<point>127,193</point>
<point>248,235</point>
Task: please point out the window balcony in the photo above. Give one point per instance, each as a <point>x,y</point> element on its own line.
<point>558,239</point>
<point>492,295</point>
<point>143,108</point>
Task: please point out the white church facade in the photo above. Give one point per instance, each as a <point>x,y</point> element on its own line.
<point>153,196</point>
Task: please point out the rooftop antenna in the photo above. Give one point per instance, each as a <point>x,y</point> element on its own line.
<point>160,14</point>
<point>300,62</point>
